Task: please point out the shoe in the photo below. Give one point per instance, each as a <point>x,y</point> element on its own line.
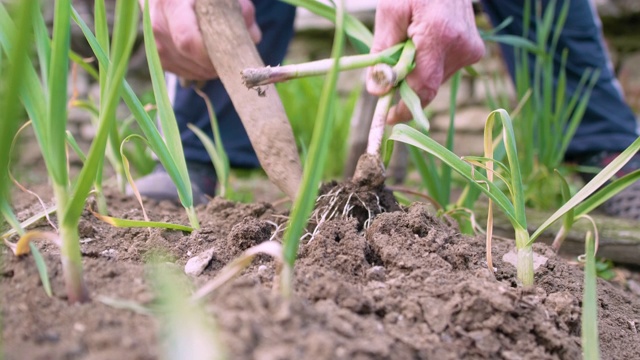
<point>159,186</point>
<point>626,203</point>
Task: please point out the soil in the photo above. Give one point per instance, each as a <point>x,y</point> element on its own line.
<point>405,285</point>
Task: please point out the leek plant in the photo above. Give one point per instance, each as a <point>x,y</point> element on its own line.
<point>315,161</point>
<point>548,121</point>
<point>167,145</point>
<point>44,97</point>
<point>512,200</point>
<point>437,180</point>
<point>45,101</point>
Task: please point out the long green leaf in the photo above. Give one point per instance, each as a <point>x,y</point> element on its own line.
<point>509,140</point>
<point>166,115</point>
<point>57,107</point>
<point>514,41</point>
<point>582,97</point>
<point>147,125</point>
<point>412,101</point>
<point>43,272</point>
<point>569,217</point>
<point>590,340</point>
<point>428,174</point>
<point>75,147</point>
<point>607,192</point>
<point>15,48</point>
<point>102,34</point>
<point>219,160</point>
<point>361,37</point>
<point>123,38</point>
<point>127,223</point>
<point>591,187</point>
<point>408,135</point>
<point>77,59</point>
<point>43,47</point>
<point>453,97</point>
<point>12,77</point>
<point>318,151</point>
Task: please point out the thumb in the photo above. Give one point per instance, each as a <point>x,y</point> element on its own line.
<point>391,24</point>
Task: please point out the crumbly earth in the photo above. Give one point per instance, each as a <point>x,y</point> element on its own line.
<point>406,286</point>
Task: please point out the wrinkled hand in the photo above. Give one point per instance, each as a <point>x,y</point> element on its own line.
<point>180,44</point>
<point>446,39</point>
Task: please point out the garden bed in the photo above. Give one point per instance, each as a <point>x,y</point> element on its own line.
<point>410,286</point>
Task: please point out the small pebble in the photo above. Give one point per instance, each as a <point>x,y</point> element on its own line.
<point>79,327</point>
<point>109,253</point>
<point>262,270</point>
<point>196,265</point>
<point>376,273</point>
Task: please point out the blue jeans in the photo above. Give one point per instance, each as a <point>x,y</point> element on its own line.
<point>275,19</point>
<point>608,124</point>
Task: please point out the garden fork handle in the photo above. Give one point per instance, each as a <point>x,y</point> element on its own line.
<point>231,50</point>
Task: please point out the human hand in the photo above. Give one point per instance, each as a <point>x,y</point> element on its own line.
<point>445,36</point>
<point>180,44</point>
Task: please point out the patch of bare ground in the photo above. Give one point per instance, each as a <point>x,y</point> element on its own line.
<point>404,286</point>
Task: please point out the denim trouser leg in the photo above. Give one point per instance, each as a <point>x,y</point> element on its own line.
<point>608,123</point>
<point>276,22</point>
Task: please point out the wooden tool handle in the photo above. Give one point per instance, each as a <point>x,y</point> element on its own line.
<point>231,50</point>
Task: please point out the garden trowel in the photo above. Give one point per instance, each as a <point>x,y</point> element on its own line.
<point>231,50</point>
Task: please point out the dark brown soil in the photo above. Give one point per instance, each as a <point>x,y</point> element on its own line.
<point>407,287</point>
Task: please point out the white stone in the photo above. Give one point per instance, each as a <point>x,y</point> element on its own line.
<point>196,265</point>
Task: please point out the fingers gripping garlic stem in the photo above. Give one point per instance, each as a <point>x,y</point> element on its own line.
<point>384,77</point>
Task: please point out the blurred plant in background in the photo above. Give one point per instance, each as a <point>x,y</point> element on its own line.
<point>301,100</point>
